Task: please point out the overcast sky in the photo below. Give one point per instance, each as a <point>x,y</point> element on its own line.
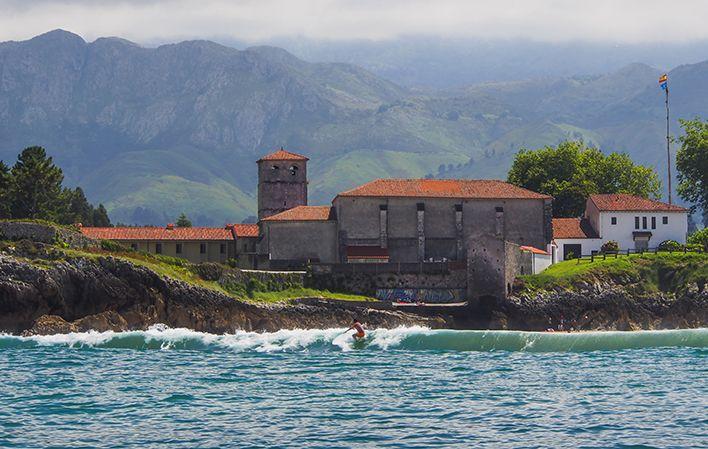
<point>608,21</point>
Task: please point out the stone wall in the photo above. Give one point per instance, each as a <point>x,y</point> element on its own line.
<point>235,279</point>
<point>300,240</point>
<point>44,233</point>
<point>369,283</point>
<point>492,266</point>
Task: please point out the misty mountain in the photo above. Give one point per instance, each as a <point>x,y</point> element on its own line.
<point>433,62</point>
<point>153,132</point>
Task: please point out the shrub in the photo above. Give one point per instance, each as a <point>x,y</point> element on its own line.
<point>110,245</point>
<point>694,247</point>
<point>670,245</point>
<point>610,246</point>
<point>700,238</point>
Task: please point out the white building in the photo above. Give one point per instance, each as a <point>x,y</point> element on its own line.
<point>633,222</point>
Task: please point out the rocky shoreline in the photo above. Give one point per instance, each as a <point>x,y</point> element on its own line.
<point>108,293</point>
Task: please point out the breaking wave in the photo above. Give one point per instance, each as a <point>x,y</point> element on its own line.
<point>402,338</point>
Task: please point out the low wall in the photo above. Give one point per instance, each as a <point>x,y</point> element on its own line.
<point>236,280</point>
<point>389,285</point>
<point>44,233</point>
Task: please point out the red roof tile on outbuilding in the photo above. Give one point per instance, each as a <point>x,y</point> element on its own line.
<point>534,250</point>
<point>158,233</point>
<point>620,202</point>
<point>443,188</point>
<point>573,228</point>
<point>282,155</point>
<point>246,230</point>
<point>304,213</point>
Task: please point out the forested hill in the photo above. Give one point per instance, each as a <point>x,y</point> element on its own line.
<point>152,132</point>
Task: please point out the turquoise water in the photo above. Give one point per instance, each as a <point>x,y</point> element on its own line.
<point>408,387</point>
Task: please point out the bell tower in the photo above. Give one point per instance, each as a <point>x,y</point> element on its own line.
<point>282,182</point>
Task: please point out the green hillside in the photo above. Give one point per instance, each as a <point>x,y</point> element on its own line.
<point>153,132</point>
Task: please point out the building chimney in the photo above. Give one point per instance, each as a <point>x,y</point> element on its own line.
<point>170,226</point>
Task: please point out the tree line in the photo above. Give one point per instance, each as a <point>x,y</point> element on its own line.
<point>33,188</point>
<point>572,171</point>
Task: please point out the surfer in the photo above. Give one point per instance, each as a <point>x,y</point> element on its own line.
<point>359,330</point>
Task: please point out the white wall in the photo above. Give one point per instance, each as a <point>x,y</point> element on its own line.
<point>587,246</point>
<point>676,229</point>
<point>541,262</point>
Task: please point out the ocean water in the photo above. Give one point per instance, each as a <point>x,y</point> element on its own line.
<point>407,387</point>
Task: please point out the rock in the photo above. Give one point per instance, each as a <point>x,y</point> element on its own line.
<point>50,324</point>
<point>112,294</point>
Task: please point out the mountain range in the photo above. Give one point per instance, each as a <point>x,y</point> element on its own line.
<point>153,132</point>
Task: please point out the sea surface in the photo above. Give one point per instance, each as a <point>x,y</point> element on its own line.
<point>401,388</point>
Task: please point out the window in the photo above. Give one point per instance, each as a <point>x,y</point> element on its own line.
<point>202,248</point>
<point>293,170</point>
<point>665,220</point>
<point>245,247</point>
<point>644,222</point>
<point>653,222</point>
<point>613,220</point>
<point>158,248</point>
<point>178,249</point>
<point>222,248</point>
<point>134,246</point>
<point>274,167</point>
<point>636,222</point>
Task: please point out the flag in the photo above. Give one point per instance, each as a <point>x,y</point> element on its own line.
<point>663,81</point>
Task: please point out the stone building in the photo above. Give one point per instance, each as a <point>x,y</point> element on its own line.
<point>397,220</point>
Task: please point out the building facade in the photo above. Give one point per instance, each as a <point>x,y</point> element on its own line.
<point>635,223</point>
<point>196,244</point>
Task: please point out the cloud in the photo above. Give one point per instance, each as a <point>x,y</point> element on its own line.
<point>616,21</point>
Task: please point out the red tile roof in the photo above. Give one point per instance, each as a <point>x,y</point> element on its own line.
<point>246,230</point>
<point>620,202</point>
<point>304,213</point>
<point>282,155</point>
<point>158,233</point>
<point>443,188</point>
<point>573,228</point>
<point>534,250</point>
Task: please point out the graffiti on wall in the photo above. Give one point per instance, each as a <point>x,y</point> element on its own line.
<point>421,295</point>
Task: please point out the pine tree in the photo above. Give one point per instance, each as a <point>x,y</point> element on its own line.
<point>183,221</point>
<point>36,190</point>
<point>5,182</point>
<point>100,217</point>
<point>79,210</point>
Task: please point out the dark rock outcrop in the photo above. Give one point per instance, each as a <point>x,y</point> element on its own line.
<point>107,293</point>
<point>609,305</point>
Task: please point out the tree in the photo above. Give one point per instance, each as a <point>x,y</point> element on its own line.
<point>183,221</point>
<point>79,210</point>
<point>100,216</point>
<point>692,165</point>
<point>36,190</point>
<point>571,172</point>
<point>5,182</point>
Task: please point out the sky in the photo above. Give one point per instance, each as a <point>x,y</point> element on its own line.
<point>602,21</point>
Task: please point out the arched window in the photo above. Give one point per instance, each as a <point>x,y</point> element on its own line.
<point>293,170</point>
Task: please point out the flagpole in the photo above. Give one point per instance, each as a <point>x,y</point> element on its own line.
<point>668,148</point>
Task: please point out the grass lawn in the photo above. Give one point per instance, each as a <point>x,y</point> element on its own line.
<point>295,293</point>
<point>654,271</point>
